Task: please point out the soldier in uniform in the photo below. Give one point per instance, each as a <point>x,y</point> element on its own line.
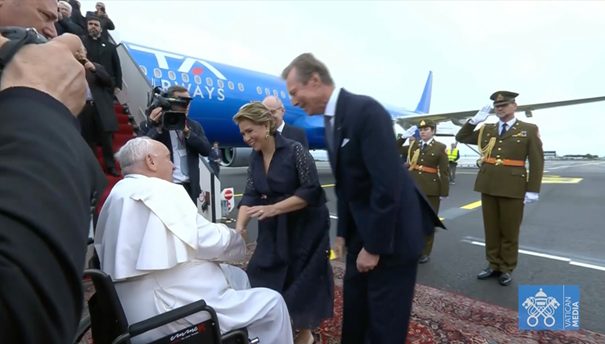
<point>503,180</point>
<point>428,165</point>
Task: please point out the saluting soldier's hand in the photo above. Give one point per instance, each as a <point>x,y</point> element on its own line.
<point>531,197</point>
<point>410,132</point>
<point>481,115</point>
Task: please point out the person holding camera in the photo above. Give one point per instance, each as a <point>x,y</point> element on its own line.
<point>106,23</point>
<point>48,183</point>
<point>185,145</point>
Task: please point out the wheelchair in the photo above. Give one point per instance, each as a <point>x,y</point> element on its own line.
<point>108,322</point>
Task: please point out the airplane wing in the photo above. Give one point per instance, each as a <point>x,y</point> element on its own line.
<point>460,117</point>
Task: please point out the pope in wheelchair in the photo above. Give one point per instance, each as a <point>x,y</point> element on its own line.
<point>161,254</point>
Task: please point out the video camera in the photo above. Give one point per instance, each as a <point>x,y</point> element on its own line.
<point>18,37</point>
<point>174,109</point>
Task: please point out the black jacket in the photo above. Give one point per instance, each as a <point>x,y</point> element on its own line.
<point>103,52</point>
<point>48,176</point>
<point>296,134</point>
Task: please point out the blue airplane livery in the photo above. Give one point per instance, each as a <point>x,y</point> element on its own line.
<point>219,90</point>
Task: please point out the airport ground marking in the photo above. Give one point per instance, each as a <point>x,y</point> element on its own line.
<point>471,206</point>
<point>547,256</point>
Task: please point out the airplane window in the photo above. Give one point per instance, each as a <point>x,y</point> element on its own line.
<point>157,73</point>
<point>220,83</point>
<point>143,69</point>
<point>171,75</point>
<point>185,77</point>
<point>209,81</point>
<point>275,93</point>
<point>197,79</point>
<point>267,92</point>
<point>240,87</point>
<point>283,94</point>
<point>259,90</point>
<point>230,85</point>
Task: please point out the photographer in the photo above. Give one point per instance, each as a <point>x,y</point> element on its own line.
<point>106,23</point>
<point>186,144</point>
<point>47,182</point>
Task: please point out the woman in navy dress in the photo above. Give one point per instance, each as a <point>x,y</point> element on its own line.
<point>293,245</point>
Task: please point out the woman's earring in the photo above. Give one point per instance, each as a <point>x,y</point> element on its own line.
<point>267,135</point>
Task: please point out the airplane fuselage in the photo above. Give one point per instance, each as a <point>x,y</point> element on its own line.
<point>218,91</point>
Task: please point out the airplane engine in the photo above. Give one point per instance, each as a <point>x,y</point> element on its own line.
<point>236,156</point>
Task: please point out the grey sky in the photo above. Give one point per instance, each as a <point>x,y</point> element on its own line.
<point>544,50</point>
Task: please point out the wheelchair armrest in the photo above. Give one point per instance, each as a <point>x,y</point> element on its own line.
<point>170,316</point>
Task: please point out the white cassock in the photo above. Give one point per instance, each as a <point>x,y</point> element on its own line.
<point>162,254</point>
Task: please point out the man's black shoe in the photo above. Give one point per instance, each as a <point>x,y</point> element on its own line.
<point>505,279</point>
<point>487,273</point>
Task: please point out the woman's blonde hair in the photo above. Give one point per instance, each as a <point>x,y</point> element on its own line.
<point>256,113</point>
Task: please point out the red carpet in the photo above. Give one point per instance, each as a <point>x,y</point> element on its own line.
<point>443,317</point>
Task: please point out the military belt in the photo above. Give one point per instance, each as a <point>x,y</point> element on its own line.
<point>426,169</point>
<point>505,162</point>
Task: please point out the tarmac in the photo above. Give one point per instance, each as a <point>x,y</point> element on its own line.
<point>561,241</point>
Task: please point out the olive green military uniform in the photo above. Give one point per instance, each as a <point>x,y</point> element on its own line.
<point>503,186</point>
<point>434,183</point>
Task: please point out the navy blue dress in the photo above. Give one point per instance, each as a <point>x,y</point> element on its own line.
<point>292,252</point>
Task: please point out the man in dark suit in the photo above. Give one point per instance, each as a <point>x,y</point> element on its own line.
<point>98,120</point>
<point>382,217</point>
<point>185,145</point>
<point>101,51</point>
<point>277,109</point>
<point>503,181</point>
<point>48,180</point>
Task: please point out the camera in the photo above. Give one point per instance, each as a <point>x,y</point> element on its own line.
<point>173,109</point>
<point>18,37</point>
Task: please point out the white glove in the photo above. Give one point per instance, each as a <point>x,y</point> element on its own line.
<point>531,197</point>
<point>410,132</point>
<point>481,115</point>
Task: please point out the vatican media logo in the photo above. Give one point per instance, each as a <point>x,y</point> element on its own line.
<point>549,307</point>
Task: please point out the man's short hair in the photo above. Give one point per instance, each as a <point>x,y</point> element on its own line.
<point>134,150</point>
<point>92,17</point>
<point>175,89</point>
<point>306,64</point>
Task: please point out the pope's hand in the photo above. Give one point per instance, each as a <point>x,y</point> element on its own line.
<point>481,115</point>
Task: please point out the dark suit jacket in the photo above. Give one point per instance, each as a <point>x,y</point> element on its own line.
<point>197,144</point>
<point>101,87</point>
<point>48,177</point>
<point>379,206</point>
<point>103,52</point>
<point>66,25</point>
<point>296,134</point>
